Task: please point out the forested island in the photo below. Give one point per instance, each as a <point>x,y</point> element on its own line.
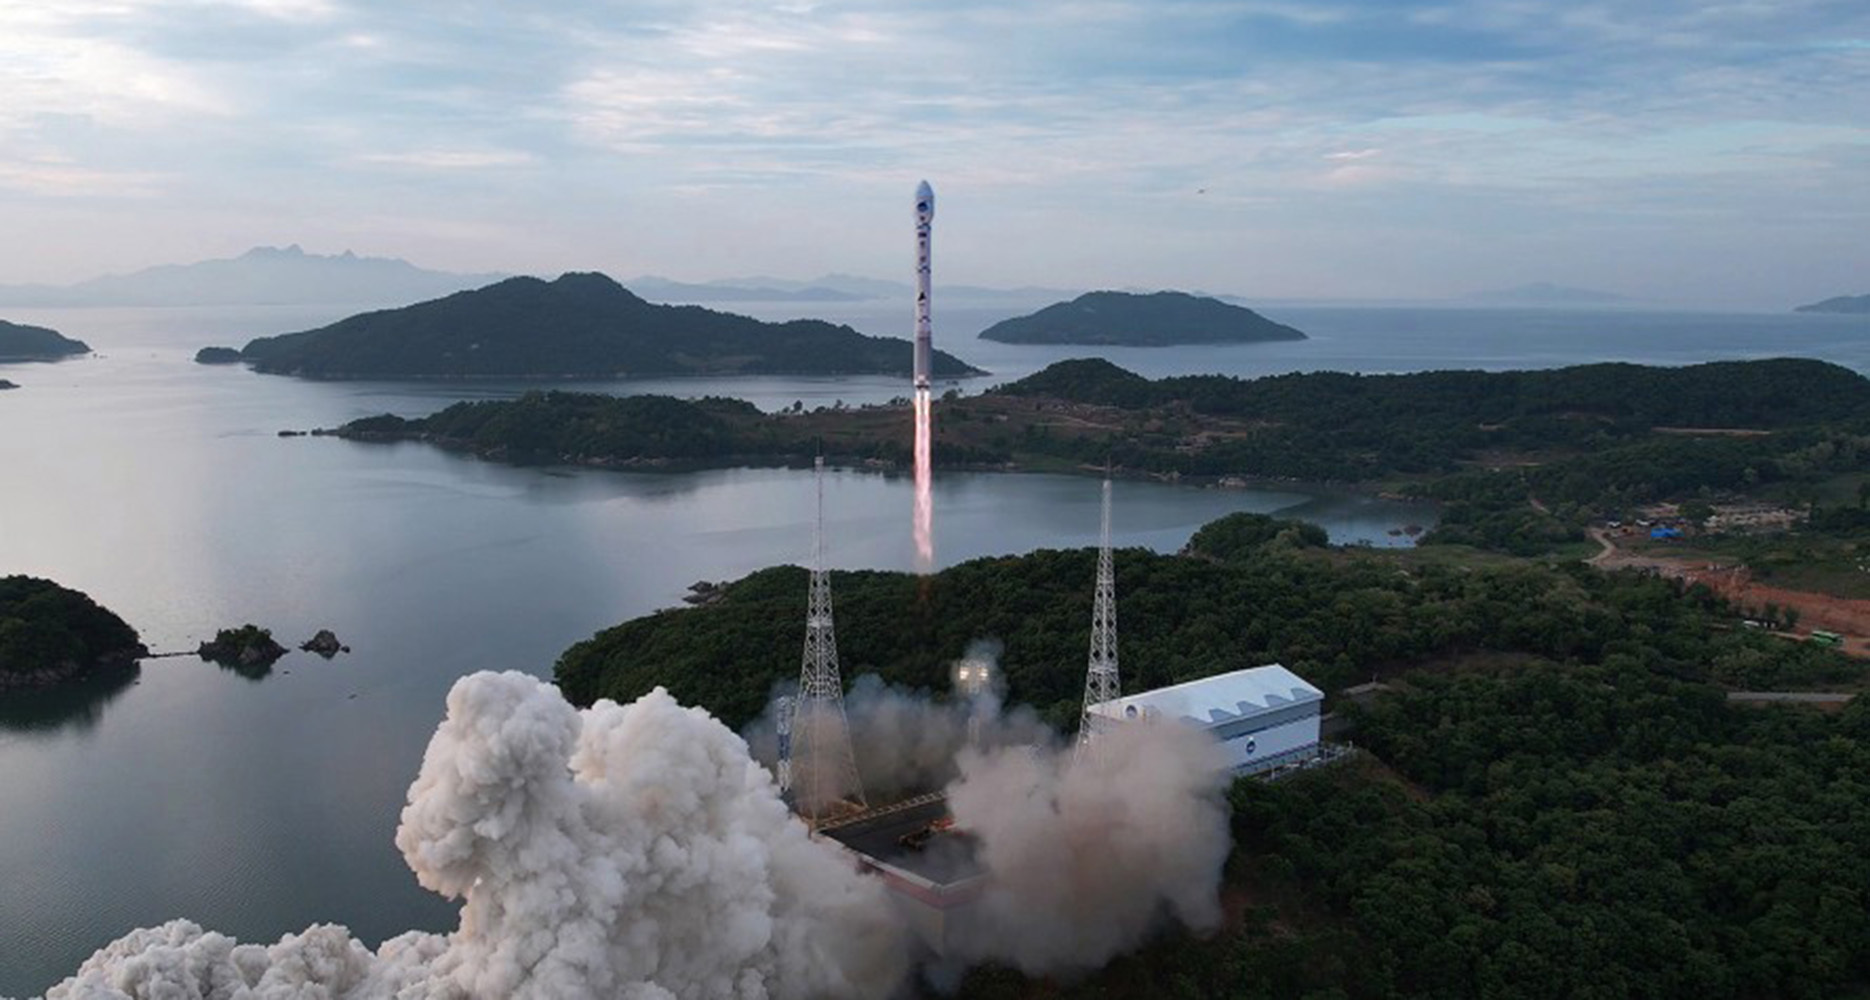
<point>1520,460</point>
<point>19,342</point>
<point>217,356</point>
<point>50,634</point>
<point>1556,796</point>
<point>1159,319</point>
<point>1851,304</point>
<point>579,326</point>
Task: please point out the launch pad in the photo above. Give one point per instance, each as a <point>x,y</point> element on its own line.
<point>932,874</point>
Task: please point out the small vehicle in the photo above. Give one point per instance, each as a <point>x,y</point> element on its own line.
<point>918,839</point>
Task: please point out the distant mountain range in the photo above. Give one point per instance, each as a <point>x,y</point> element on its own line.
<point>261,276</point>
<point>581,325</point>
<point>1157,319</point>
<point>1546,293</point>
<point>1853,304</point>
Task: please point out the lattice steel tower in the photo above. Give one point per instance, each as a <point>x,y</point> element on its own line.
<point>818,770</point>
<point>1100,680</point>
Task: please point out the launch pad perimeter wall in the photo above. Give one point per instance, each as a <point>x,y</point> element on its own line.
<point>932,888</point>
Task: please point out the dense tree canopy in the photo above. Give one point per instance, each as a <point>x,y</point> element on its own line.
<point>44,626</point>
<point>1557,800</point>
<point>1336,617</point>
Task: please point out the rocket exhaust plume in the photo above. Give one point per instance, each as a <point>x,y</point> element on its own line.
<point>630,851</point>
<point>1086,854</point>
<point>924,349</point>
<point>925,493</point>
<point>639,851</point>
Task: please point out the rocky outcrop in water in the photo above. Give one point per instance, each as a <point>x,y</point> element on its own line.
<point>246,646</point>
<point>325,644</point>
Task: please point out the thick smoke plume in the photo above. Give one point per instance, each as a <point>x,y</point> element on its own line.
<point>1088,855</point>
<point>906,741</point>
<point>638,851</point>
<point>624,851</point>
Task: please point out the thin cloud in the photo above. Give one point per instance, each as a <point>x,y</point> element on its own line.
<point>450,159</point>
<point>1512,116</point>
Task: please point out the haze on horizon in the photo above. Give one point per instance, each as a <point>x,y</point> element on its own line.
<point>1683,152</point>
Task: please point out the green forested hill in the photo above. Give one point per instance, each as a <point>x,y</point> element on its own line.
<point>1159,319</point>
<point>48,632</point>
<point>579,325</point>
<point>1556,799</point>
<point>1535,405</point>
<point>1253,591</point>
<point>19,342</point>
<point>1586,441</point>
<point>1542,831</point>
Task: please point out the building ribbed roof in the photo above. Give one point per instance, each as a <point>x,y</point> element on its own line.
<point>1221,698</point>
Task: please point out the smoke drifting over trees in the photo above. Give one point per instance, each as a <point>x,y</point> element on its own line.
<point>1088,855</point>
<point>1085,856</point>
<point>908,741</point>
<point>639,851</point>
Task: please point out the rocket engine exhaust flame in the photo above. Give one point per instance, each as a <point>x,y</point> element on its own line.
<point>925,494</point>
<point>924,350</point>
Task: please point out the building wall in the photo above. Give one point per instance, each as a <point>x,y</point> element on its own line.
<point>1251,749</point>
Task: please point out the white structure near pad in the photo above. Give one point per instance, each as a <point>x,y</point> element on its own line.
<point>1264,716</point>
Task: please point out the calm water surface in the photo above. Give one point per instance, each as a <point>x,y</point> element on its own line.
<point>258,807</point>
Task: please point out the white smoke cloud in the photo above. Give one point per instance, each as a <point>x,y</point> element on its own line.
<point>639,851</point>
<point>908,741</point>
<point>623,851</point>
<point>1087,856</point>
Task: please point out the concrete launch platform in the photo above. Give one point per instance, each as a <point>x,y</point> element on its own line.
<point>929,883</point>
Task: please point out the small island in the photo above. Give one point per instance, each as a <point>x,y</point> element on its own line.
<point>579,326</point>
<point>19,342</point>
<point>51,634</point>
<point>1853,305</point>
<point>217,356</point>
<point>4,384</point>
<point>1160,319</point>
<point>248,646</point>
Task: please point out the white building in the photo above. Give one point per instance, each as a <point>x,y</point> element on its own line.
<point>1264,716</point>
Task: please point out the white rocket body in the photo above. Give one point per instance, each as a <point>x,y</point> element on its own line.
<point>925,218</point>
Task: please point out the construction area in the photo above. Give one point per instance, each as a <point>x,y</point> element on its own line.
<point>1847,617</point>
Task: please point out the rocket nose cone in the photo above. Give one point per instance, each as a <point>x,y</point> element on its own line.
<point>925,199</point>
<point>924,191</point>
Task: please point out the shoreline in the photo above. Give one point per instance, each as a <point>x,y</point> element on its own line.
<point>54,677</point>
<point>1372,489</point>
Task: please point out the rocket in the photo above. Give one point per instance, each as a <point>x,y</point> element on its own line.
<point>925,218</point>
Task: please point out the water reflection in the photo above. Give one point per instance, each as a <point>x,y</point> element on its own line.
<point>250,671</point>
<point>76,705</point>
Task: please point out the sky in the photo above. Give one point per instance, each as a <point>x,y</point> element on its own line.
<point>1685,152</point>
